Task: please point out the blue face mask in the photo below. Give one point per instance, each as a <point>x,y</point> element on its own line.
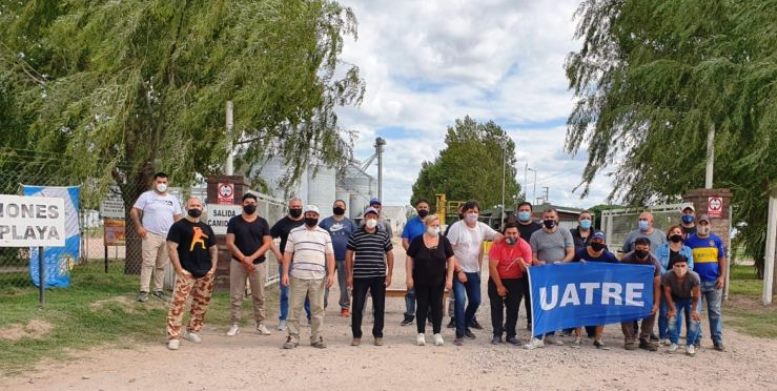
<point>524,216</point>
<point>585,224</point>
<point>687,219</point>
<point>643,225</point>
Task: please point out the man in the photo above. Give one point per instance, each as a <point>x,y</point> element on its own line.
<point>642,256</point>
<point>595,251</point>
<point>159,210</point>
<point>248,239</point>
<point>508,261</point>
<point>527,226</point>
<point>281,230</point>
<point>370,263</point>
<point>192,248</point>
<point>550,245</point>
<point>340,228</point>
<point>376,204</point>
<point>308,269</point>
<point>452,298</point>
<point>415,227</point>
<point>582,234</point>
<point>688,219</point>
<point>681,289</point>
<point>467,238</point>
<point>645,229</point>
<point>709,261</point>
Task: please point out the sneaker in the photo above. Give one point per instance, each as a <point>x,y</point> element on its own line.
<point>648,345</point>
<point>160,295</point>
<point>420,339</point>
<point>672,348</point>
<point>290,343</point>
<point>143,297</point>
<point>345,312</point>
<point>513,341</point>
<point>356,341</point>
<point>468,333</point>
<point>262,329</point>
<point>552,340</point>
<point>282,325</point>
<point>664,342</point>
<point>233,330</point>
<point>475,325</point>
<point>599,344</point>
<point>690,350</point>
<point>719,347</point>
<point>407,321</point>
<point>378,341</point>
<point>192,337</point>
<point>452,323</point>
<point>578,342</point>
<point>318,344</point>
<point>437,338</point>
<point>630,345</point>
<point>534,344</point>
<point>458,341</point>
<point>496,340</point>
<point>174,344</point>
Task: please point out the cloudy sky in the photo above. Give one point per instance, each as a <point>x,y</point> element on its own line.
<point>427,63</point>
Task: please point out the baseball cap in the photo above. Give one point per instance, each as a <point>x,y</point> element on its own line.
<point>371,210</point>
<point>688,205</point>
<point>703,217</point>
<point>599,235</point>
<point>311,208</point>
<point>375,201</point>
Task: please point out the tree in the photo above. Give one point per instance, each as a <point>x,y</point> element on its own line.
<point>470,167</point>
<point>653,78</point>
<point>122,89</point>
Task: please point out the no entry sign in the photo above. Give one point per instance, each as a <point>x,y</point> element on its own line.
<point>226,193</point>
<point>715,207</point>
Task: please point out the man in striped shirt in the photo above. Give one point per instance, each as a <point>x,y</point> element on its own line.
<point>369,263</point>
<point>308,269</point>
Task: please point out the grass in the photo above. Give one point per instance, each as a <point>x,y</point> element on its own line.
<point>78,323</point>
<point>744,310</point>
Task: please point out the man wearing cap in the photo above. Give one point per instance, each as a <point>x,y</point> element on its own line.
<point>375,204</point>
<point>688,219</point>
<point>646,230</point>
<point>369,263</point>
<point>709,262</point>
<point>341,228</point>
<point>595,251</point>
<point>642,256</point>
<point>308,269</point>
<point>414,228</point>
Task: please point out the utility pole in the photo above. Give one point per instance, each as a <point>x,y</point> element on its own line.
<point>229,167</point>
<point>379,144</point>
<point>534,190</point>
<point>710,157</point>
<point>547,194</point>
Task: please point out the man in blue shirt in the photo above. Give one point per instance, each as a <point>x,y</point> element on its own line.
<point>415,227</point>
<point>340,228</point>
<point>709,262</point>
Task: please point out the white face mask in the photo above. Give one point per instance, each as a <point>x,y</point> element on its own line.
<point>161,187</point>
<point>703,230</point>
<point>471,217</point>
<point>371,223</point>
<point>434,231</point>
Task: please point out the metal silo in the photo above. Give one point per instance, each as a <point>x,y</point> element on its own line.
<point>273,171</point>
<point>321,187</point>
<point>357,183</point>
<point>343,194</point>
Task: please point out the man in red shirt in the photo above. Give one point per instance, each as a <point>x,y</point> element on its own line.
<point>507,265</point>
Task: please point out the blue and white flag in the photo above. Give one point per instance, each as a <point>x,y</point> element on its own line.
<point>587,294</point>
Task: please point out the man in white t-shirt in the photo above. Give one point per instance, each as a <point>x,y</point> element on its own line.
<point>466,237</point>
<point>153,214</point>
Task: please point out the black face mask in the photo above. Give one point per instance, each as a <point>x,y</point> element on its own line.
<point>676,238</point>
<point>311,221</point>
<point>549,224</point>
<point>598,246</point>
<point>641,253</point>
<point>423,213</point>
<point>249,209</point>
<point>295,212</point>
<point>194,213</point>
<point>338,211</point>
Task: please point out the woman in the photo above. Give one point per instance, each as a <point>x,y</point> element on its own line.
<point>429,268</point>
<point>508,260</point>
<point>667,254</point>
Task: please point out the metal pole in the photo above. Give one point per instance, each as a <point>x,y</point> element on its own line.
<point>379,143</point>
<point>534,190</point>
<point>106,257</point>
<point>41,278</point>
<point>710,157</point>
<point>771,243</point>
<point>525,178</point>
<point>229,167</point>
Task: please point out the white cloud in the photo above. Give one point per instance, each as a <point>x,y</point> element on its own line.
<point>429,63</point>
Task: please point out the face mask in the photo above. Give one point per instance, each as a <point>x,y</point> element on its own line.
<point>687,219</point>
<point>703,230</point>
<point>585,224</point>
<point>433,231</point>
<point>680,271</point>
<point>524,216</point>
<point>549,224</point>
<point>194,213</point>
<point>423,213</point>
<point>311,221</point>
<point>641,253</point>
<point>471,217</point>
<point>371,223</point>
<point>676,238</point>
<point>338,211</point>
<point>249,209</point>
<point>295,212</point>
<point>643,225</point>
<point>510,241</point>
<point>598,246</point>
<point>161,187</point>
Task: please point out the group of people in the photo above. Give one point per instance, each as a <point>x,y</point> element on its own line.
<point>689,267</point>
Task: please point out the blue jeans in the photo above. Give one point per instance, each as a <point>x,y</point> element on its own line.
<point>410,303</point>
<point>676,324</point>
<point>469,291</point>
<point>284,302</point>
<point>712,296</point>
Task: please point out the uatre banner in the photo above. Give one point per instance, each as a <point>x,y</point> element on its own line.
<point>588,294</point>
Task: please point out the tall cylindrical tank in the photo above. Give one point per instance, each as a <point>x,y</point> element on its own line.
<point>273,171</point>
<point>321,188</point>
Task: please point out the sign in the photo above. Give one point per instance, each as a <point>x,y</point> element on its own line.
<point>32,221</point>
<point>114,232</point>
<point>715,207</point>
<point>586,294</point>
<point>112,205</point>
<point>226,193</point>
<point>219,215</point>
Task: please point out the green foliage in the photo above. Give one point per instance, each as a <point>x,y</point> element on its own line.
<point>470,167</point>
<point>652,78</point>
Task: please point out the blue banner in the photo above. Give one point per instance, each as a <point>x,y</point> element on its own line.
<point>58,261</point>
<point>588,294</point>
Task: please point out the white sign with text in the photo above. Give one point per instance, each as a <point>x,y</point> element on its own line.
<point>32,221</point>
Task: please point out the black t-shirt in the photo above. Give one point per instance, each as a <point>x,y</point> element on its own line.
<point>528,229</point>
<point>249,236</point>
<point>194,240</point>
<point>688,231</point>
<point>580,241</point>
<point>429,264</point>
<point>282,228</point>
